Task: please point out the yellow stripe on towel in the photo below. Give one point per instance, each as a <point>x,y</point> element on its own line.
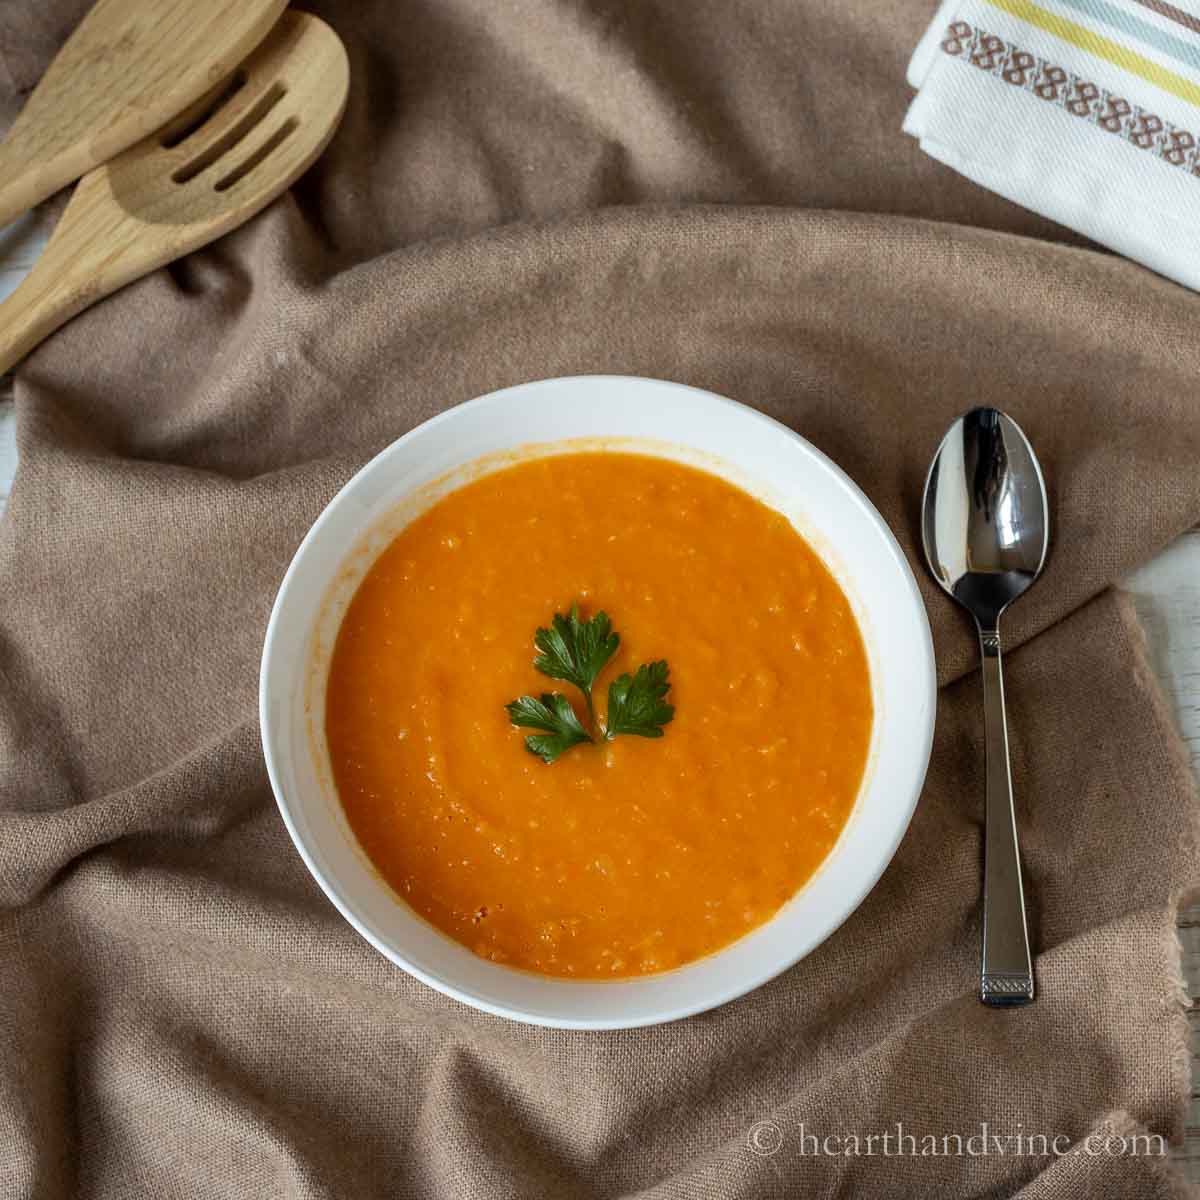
<point>1102,47</point>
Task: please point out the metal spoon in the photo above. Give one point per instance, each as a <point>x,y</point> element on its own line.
<point>985,529</point>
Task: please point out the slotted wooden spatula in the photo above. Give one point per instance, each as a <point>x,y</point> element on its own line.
<point>129,67</point>
<point>207,172</point>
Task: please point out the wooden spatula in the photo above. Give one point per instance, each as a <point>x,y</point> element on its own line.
<point>207,172</point>
<point>129,67</point>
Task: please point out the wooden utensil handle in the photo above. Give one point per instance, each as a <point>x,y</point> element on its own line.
<point>18,194</point>
<point>28,317</point>
<point>31,172</point>
<point>82,262</point>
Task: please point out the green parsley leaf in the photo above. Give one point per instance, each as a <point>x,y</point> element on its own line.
<point>553,713</point>
<point>575,650</point>
<point>635,702</point>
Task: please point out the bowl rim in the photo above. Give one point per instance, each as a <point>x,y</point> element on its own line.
<point>925,687</point>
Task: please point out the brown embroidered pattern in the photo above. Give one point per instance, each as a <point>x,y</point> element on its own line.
<point>1080,97</point>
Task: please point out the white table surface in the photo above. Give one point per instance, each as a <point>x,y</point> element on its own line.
<point>1165,591</point>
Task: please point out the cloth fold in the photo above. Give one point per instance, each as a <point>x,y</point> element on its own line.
<point>181,1011</point>
<point>1086,111</point>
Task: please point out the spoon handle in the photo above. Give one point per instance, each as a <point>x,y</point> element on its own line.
<point>1007,972</point>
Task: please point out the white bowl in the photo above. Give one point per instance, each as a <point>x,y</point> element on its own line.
<point>654,417</point>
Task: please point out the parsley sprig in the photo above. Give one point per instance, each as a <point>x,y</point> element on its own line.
<point>576,651</point>
<point>635,702</point>
<point>551,712</point>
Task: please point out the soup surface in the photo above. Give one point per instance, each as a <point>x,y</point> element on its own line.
<point>633,855</point>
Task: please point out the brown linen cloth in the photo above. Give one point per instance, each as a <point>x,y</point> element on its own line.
<point>182,1013</point>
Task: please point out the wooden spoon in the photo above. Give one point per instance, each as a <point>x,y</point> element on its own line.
<point>129,67</point>
<point>207,172</point>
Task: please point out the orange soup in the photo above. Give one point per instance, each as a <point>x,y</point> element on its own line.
<point>631,855</point>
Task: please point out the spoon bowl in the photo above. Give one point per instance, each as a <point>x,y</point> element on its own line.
<point>984,524</point>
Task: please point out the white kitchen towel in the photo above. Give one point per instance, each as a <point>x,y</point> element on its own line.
<point>1086,111</point>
